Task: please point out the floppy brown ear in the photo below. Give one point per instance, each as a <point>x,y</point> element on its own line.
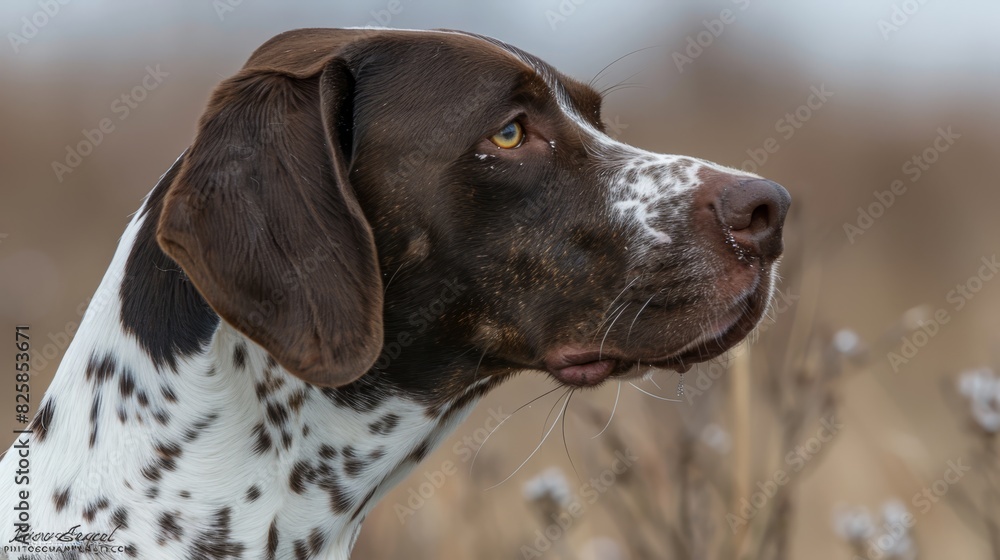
<point>264,221</point>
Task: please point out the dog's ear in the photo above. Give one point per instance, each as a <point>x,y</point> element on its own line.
<point>264,221</point>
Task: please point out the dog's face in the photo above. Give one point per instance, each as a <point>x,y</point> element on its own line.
<point>582,255</point>
<point>507,230</point>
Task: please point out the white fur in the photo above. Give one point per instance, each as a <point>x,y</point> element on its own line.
<point>219,466</point>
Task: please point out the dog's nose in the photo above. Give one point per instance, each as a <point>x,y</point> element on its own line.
<point>755,211</point>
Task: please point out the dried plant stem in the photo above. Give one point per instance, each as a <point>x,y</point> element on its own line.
<point>694,522</point>
<point>739,398</point>
<point>991,498</point>
<point>640,543</point>
<point>684,463</point>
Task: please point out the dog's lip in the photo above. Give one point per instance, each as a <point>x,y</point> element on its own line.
<point>588,368</point>
<point>580,368</point>
<point>584,367</point>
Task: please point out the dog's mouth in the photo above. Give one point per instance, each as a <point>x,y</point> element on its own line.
<point>580,366</point>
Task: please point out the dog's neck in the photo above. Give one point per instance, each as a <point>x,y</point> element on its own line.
<point>220,453</point>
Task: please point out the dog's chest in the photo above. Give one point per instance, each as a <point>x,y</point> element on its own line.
<point>227,457</point>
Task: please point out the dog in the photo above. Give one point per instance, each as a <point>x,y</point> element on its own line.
<point>371,230</point>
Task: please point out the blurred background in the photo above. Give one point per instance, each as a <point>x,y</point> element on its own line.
<point>861,422</point>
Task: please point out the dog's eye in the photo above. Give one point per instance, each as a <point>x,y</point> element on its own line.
<point>509,136</point>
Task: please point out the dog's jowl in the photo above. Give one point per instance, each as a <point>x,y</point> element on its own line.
<point>370,230</point>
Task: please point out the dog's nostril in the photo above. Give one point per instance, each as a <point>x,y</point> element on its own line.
<point>759,219</point>
<point>755,212</point>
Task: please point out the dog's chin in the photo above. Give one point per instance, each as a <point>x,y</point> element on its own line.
<point>587,366</point>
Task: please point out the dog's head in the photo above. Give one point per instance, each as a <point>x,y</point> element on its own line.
<point>435,207</point>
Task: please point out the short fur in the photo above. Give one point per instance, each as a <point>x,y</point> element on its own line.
<point>342,263</point>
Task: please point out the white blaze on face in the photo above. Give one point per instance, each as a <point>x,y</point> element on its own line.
<point>644,188</point>
<point>643,182</point>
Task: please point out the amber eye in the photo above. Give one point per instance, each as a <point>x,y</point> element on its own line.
<point>509,136</point>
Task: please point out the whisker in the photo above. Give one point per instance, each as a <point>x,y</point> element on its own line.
<point>565,441</point>
<point>475,374</point>
<point>613,409</point>
<point>539,446</point>
<point>624,84</point>
<point>652,395</point>
<point>637,316</point>
<point>655,384</point>
<point>597,331</point>
<point>600,351</point>
<point>464,352</point>
<point>621,87</point>
<point>617,60</point>
<point>386,289</point>
<point>627,286</point>
<point>549,415</point>
<point>529,403</point>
